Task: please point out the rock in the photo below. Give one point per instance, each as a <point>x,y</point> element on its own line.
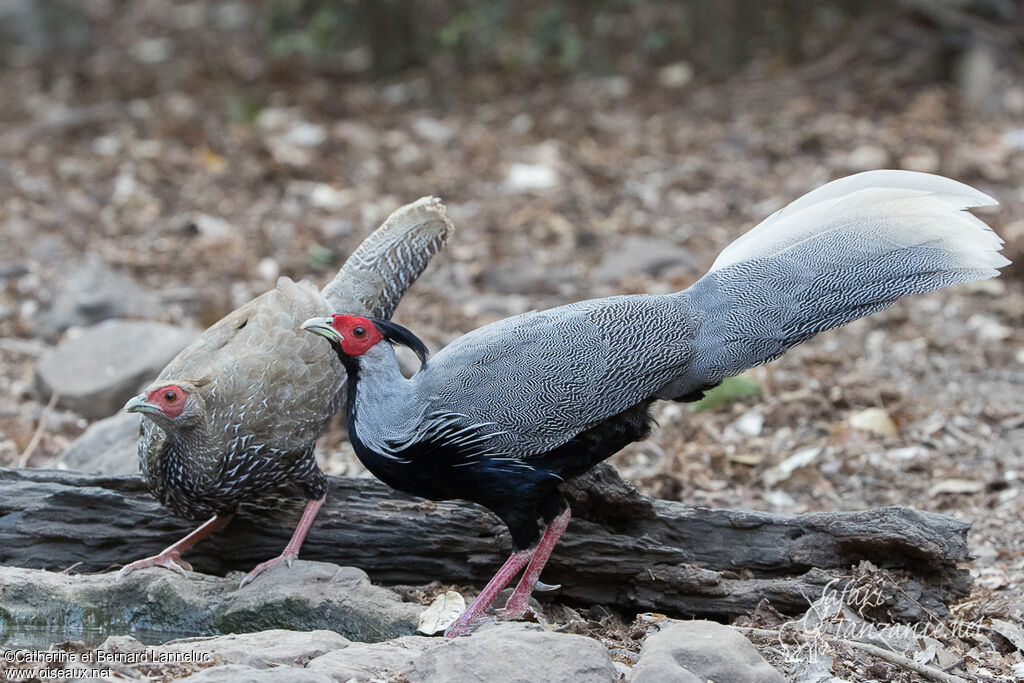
<point>977,76</point>
<point>155,604</point>
<point>638,255</point>
<point>152,51</point>
<point>514,652</point>
<point>701,651</point>
<point>312,595</point>
<point>12,270</point>
<point>97,371</point>
<point>675,75</point>
<point>433,130</point>
<point>304,134</point>
<point>867,158</point>
<point>109,446</point>
<point>521,277</point>
<point>371,661</point>
<point>94,292</point>
<point>263,650</point>
<point>211,227</point>
<point>45,29</point>
<point>530,178</point>
<point>236,673</point>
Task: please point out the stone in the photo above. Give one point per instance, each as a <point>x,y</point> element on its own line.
<point>867,158</point>
<point>152,51</point>
<point>236,673</point>
<point>644,255</point>
<point>97,371</point>
<point>514,652</point>
<point>156,604</point>
<point>45,29</point>
<point>433,130</point>
<point>521,277</point>
<point>675,75</point>
<point>311,595</point>
<point>109,446</point>
<point>262,650</point>
<point>371,661</point>
<point>692,651</point>
<point>530,178</point>
<point>92,293</point>
<point>11,270</point>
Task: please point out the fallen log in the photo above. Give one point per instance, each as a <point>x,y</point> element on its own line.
<point>622,549</point>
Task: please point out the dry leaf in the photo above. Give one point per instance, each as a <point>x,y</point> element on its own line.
<point>445,609</point>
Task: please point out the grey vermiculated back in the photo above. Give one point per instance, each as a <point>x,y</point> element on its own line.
<point>528,384</point>
<point>385,265</point>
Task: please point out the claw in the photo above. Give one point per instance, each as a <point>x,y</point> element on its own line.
<point>264,566</point>
<point>463,627</point>
<point>515,608</point>
<point>545,587</point>
<point>170,561</point>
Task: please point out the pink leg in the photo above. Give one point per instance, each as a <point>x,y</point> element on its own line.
<point>519,601</point>
<point>291,551</point>
<point>463,625</point>
<point>170,556</point>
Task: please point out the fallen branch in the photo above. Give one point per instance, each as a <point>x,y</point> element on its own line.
<point>895,658</point>
<point>622,549</point>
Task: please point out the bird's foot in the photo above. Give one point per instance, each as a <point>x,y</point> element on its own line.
<point>170,560</point>
<point>465,625</point>
<point>519,601</point>
<point>283,558</point>
<point>513,609</point>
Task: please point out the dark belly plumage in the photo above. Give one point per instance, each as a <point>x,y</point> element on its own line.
<point>519,491</point>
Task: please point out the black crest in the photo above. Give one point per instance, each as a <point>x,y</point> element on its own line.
<point>396,334</point>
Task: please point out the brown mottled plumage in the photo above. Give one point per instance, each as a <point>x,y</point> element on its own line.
<point>239,411</point>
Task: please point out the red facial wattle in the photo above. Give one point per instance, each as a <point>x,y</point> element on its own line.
<point>170,399</point>
<point>358,334</point>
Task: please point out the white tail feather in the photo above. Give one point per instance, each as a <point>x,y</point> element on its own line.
<point>902,208</point>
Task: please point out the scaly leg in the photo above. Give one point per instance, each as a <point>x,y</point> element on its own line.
<point>170,556</point>
<point>518,602</point>
<point>463,625</point>
<point>291,551</point>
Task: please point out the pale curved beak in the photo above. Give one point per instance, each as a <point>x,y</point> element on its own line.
<point>139,404</point>
<point>322,326</point>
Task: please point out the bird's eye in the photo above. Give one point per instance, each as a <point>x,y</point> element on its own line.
<point>171,396</point>
<point>359,332</point>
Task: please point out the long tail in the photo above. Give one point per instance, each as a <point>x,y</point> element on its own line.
<point>843,251</point>
<point>387,263</point>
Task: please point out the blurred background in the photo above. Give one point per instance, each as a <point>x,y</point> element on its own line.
<point>163,162</point>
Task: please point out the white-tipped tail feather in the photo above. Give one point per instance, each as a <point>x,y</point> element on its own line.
<point>843,251</point>
<point>902,208</point>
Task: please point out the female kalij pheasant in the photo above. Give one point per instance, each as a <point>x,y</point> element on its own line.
<point>239,411</point>
<point>504,414</point>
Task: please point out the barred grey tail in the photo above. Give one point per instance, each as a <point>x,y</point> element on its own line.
<point>388,262</point>
<point>844,251</point>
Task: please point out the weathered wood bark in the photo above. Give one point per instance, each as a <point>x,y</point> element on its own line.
<point>621,549</point>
